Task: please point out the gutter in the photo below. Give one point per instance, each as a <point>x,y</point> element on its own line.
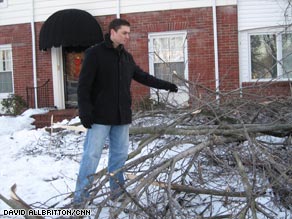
<point>217,79</point>
<point>118,8</point>
<point>34,54</point>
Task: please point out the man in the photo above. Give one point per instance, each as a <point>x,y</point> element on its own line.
<point>104,101</point>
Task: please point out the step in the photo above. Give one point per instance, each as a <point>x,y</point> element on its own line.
<point>44,120</point>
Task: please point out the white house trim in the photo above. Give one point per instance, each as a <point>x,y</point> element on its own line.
<point>58,77</point>
<point>18,11</point>
<point>252,19</point>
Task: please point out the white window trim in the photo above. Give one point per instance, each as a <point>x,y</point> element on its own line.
<point>3,4</point>
<point>278,32</point>
<point>181,98</point>
<point>7,47</point>
<point>166,34</point>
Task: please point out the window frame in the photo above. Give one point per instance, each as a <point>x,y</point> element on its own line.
<point>8,47</point>
<point>3,4</point>
<point>279,53</point>
<point>168,34</point>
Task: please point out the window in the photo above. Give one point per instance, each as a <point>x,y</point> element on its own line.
<point>271,56</point>
<point>6,83</point>
<point>286,40</point>
<point>168,56</point>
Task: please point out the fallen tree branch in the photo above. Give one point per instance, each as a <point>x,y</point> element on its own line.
<point>191,189</point>
<point>206,130</point>
<point>17,203</point>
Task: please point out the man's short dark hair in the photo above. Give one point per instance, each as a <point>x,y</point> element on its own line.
<point>117,23</point>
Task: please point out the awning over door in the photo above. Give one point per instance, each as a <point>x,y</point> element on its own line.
<point>72,28</point>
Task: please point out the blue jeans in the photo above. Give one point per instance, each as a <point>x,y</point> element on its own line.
<point>93,145</point>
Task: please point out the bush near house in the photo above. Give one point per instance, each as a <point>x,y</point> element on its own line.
<point>14,104</point>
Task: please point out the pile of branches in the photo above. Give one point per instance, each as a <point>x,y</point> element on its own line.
<point>227,159</point>
<point>216,158</point>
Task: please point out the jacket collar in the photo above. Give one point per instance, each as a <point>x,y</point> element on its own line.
<point>109,43</point>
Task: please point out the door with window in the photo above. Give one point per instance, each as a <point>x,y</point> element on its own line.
<point>73,63</point>
<point>168,60</point>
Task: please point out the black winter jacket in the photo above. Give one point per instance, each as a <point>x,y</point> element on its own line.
<point>104,84</point>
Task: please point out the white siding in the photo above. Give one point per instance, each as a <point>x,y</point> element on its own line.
<point>17,11</point>
<point>260,16</point>
<point>129,6</point>
<point>45,8</point>
<point>260,13</point>
<point>20,11</point>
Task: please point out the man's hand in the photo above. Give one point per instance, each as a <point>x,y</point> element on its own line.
<point>86,121</point>
<point>173,88</point>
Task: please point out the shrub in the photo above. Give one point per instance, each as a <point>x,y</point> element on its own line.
<point>14,104</point>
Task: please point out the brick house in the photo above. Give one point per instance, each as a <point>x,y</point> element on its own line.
<point>208,42</point>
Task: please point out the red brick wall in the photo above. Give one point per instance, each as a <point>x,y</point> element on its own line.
<point>199,26</point>
<point>198,23</point>
<point>228,48</point>
<point>19,36</point>
<point>257,90</point>
<point>44,66</point>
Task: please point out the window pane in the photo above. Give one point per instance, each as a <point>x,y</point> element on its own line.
<point>8,60</point>
<point>6,82</point>
<point>2,60</point>
<point>169,58</point>
<point>169,49</point>
<point>5,60</point>
<point>161,50</point>
<point>263,56</point>
<point>167,71</point>
<point>287,55</point>
<point>176,49</point>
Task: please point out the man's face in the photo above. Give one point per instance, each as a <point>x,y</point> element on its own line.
<point>121,36</point>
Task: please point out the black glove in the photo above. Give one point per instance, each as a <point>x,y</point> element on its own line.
<point>86,121</point>
<point>172,88</point>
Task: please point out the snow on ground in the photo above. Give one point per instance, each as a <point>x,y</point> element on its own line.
<point>38,177</point>
<point>44,170</point>
<point>43,165</point>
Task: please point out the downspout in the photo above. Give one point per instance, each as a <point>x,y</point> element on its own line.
<point>34,54</point>
<point>217,79</point>
<point>118,8</point>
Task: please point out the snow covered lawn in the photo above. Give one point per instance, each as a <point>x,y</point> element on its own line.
<point>40,172</point>
<point>44,165</point>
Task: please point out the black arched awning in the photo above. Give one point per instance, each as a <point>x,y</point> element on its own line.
<point>71,28</point>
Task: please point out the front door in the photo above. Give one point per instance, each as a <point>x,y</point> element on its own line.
<point>73,63</point>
